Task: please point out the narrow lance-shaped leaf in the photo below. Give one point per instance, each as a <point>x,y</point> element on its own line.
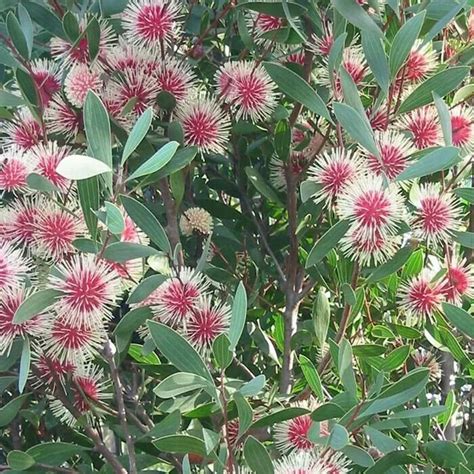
<point>137,134</point>
<point>157,161</point>
<point>257,456</point>
<point>239,314</point>
<point>311,375</point>
<point>124,251</point>
<point>35,304</point>
<point>356,15</point>
<point>404,41</point>
<point>375,54</point>
<point>78,167</point>
<point>17,36</point>
<point>297,89</point>
<point>25,361</point>
<point>444,119</point>
<point>460,318</point>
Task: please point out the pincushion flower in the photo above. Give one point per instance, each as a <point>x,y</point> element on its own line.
<point>462,125</point>
<point>80,80</point>
<point>333,171</point>
<point>71,341</point>
<point>370,250</point>
<point>77,52</point>
<point>424,358</point>
<point>321,45</point>
<point>125,56</point>
<point>334,462</point>
<point>13,267</point>
<point>300,463</point>
<point>374,209</point>
<point>18,221</point>
<point>151,22</point>
<point>378,119</point>
<point>178,296</point>
<point>424,127</point>
<point>262,24</point>
<point>9,331</point>
<point>47,158</point>
<point>196,219</point>
<point>394,150</point>
<point>436,216</point>
<point>23,132</point>
<point>421,296</point>
<point>62,119</point>
<point>204,124</point>
<point>176,78</point>
<point>49,370</point>
<point>458,280</point>
<point>90,288</point>
<point>207,320</point>
<point>88,387</point>
<point>420,63</point>
<point>130,94</point>
<point>56,229</point>
<point>15,166</point>
<point>47,77</point>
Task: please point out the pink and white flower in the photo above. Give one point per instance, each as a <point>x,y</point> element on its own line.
<point>15,166</point>
<point>333,171</point>
<point>79,81</point>
<point>424,127</point>
<point>18,221</point>
<point>13,267</point>
<point>459,280</point>
<point>296,165</point>
<point>462,125</point>
<point>47,77</point>
<point>420,62</point>
<point>394,150</point>
<point>151,22</point>
<point>299,463</point>
<point>206,321</point>
<point>436,216</point>
<point>176,78</point>
<point>89,288</point>
<point>62,119</point>
<point>204,124</point>
<point>23,132</point>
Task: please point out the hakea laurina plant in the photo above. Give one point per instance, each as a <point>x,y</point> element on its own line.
<point>236,236</point>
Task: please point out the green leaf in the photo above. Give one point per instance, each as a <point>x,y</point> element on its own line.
<point>17,36</point>
<point>123,251</point>
<point>327,242</point>
<point>311,375</point>
<point>356,127</point>
<point>19,461</point>
<point>25,362</point>
<point>89,199</point>
<point>181,158</point>
<point>168,426</point>
<point>440,159</point>
<point>97,126</point>
<point>282,139</point>
<point>157,161</point>
<point>404,41</point>
<point>357,16</point>
<point>239,315</point>
<point>395,359</point>
<point>460,319</point>
<point>10,100</point>
<point>345,369</point>
<point>349,294</point>
<point>463,94</point>
<point>26,26</point>
<point>128,324</point>
<point>444,119</point>
<point>138,133</point>
<point>221,351</point>
<point>177,350</point>
<point>465,193</point>
<point>256,179</point>
<point>351,94</point>
<point>245,413</point>
<point>442,84</point>
<point>368,350</point>
<point>257,457</point>
<point>297,89</point>
<point>10,410</point>
<point>466,239</point>
<point>54,453</point>
<point>45,18</point>
<point>391,266</point>
<point>39,183</point>
<point>6,381</point>
<point>321,315</point>
<point>93,38</point>
<point>443,21</point>
<point>272,8</point>
<point>335,54</point>
<point>395,458</point>
<point>327,411</point>
<point>374,53</point>
<point>179,383</point>
<point>358,456</point>
<point>145,288</point>
<point>79,167</point>
<point>27,87</point>
<point>338,438</point>
<point>71,27</point>
<point>444,453</point>
<point>254,386</point>
<point>398,393</point>
<point>35,304</point>
<point>147,222</point>
<point>279,416</point>
<point>417,412</point>
<point>114,219</point>
<point>181,444</point>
